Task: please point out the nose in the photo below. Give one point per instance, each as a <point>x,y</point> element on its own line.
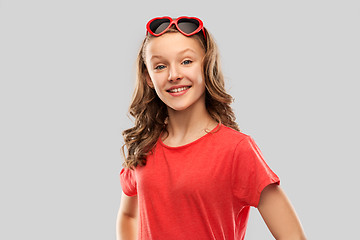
<point>174,74</point>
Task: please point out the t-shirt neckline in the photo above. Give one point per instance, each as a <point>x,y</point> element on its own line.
<point>190,143</point>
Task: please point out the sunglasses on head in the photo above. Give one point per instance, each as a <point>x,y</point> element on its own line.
<point>186,25</point>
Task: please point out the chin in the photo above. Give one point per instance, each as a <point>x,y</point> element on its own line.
<point>179,108</point>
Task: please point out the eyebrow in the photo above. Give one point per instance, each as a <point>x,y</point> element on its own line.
<point>181,52</point>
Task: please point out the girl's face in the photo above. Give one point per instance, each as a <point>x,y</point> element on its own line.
<point>174,65</point>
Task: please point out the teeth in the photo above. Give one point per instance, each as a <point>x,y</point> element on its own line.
<point>178,89</point>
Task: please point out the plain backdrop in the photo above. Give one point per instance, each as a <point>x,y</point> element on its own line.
<point>67,71</point>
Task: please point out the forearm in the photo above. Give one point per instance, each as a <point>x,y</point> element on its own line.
<point>126,228</point>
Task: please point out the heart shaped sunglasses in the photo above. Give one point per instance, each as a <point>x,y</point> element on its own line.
<point>186,25</point>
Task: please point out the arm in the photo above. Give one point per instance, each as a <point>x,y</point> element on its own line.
<point>126,223</point>
<point>279,215</point>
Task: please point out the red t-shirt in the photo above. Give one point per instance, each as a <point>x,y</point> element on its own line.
<point>201,190</point>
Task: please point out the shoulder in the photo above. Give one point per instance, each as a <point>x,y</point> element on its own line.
<point>231,136</point>
<point>227,139</point>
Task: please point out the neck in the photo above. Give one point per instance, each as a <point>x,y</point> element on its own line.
<point>193,121</point>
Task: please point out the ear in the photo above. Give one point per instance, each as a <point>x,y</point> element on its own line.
<point>148,80</point>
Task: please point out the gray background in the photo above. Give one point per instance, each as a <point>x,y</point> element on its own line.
<point>67,74</point>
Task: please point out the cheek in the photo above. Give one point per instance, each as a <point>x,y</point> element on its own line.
<point>158,81</point>
<point>199,77</point>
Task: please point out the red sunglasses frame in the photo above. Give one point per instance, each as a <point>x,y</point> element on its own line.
<point>175,22</point>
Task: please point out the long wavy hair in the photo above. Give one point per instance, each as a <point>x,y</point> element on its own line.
<point>150,112</point>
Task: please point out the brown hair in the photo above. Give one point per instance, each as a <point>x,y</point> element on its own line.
<point>150,112</point>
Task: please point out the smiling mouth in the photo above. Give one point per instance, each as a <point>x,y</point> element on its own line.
<point>175,90</point>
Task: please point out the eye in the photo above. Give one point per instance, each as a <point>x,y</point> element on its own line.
<point>159,67</point>
<point>186,62</point>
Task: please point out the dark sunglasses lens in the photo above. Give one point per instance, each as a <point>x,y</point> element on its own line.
<point>159,25</point>
<point>188,25</point>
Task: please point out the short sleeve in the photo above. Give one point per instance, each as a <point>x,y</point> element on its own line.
<point>250,172</point>
<point>128,181</point>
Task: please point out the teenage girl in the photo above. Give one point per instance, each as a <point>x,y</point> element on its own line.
<point>190,173</point>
